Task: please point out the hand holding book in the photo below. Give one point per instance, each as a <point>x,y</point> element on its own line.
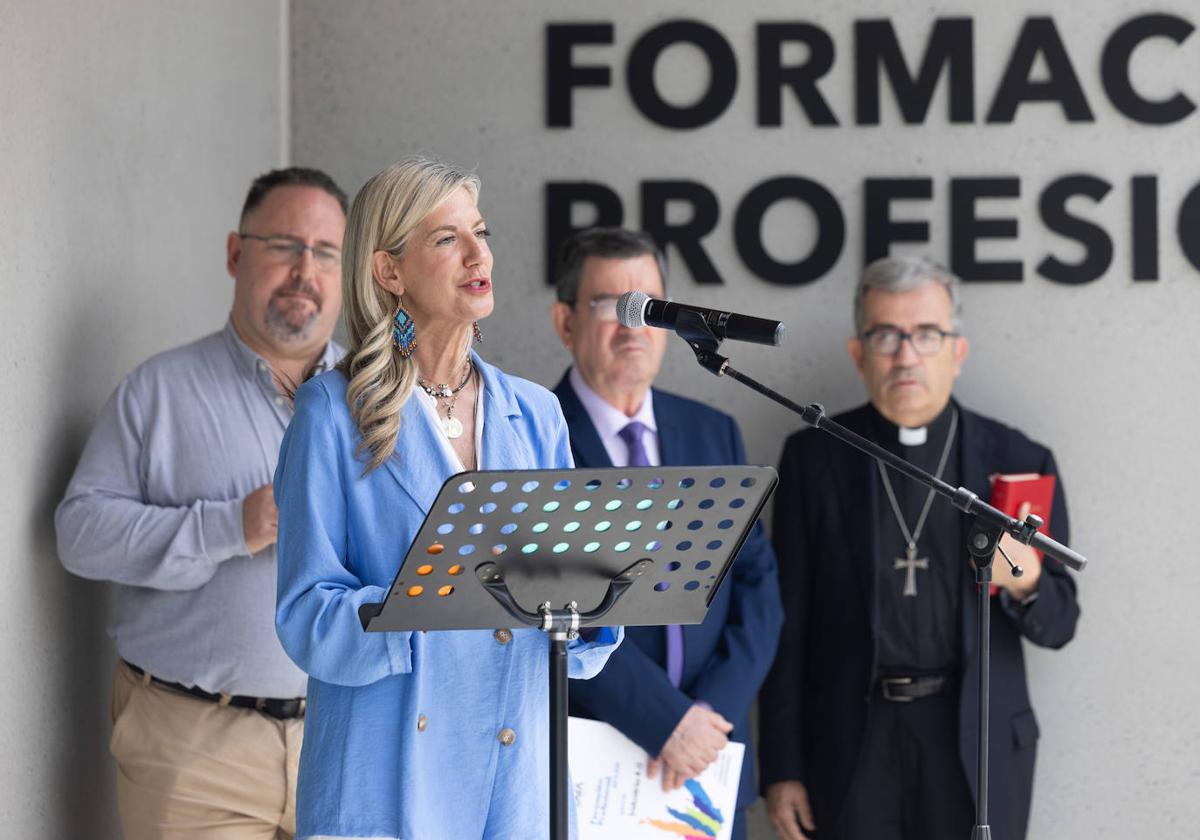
<point>1019,495</point>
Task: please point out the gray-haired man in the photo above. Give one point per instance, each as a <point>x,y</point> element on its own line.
<point>880,603</point>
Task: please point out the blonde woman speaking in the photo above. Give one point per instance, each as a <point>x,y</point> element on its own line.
<point>411,735</point>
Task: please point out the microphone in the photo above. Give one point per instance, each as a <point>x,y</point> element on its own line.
<point>637,309</point>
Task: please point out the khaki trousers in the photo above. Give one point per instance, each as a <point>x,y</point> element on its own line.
<point>190,768</point>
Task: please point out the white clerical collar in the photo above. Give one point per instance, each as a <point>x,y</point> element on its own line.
<point>912,437</point>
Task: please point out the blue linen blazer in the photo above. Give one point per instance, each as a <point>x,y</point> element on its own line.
<point>402,729</point>
<point>727,656</point>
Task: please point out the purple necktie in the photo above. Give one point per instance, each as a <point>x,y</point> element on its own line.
<point>632,435</point>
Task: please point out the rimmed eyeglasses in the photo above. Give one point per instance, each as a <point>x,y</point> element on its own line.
<point>926,340</point>
<point>285,249</point>
<point>603,308</point>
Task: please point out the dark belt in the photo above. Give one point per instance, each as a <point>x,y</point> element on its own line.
<point>908,689</point>
<point>280,709</point>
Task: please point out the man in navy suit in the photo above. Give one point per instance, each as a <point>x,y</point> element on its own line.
<point>868,717</point>
<point>678,692</point>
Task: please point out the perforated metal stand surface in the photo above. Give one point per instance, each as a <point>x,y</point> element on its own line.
<point>562,550</point>
<point>563,535</point>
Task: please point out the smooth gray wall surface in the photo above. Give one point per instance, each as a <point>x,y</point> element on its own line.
<point>1102,372</point>
<point>129,134</point>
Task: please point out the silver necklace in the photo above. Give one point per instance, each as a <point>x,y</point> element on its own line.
<point>451,425</point>
<point>910,562</point>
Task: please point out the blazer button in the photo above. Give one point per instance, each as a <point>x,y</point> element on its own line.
<point>422,723</point>
<point>502,636</point>
<point>507,737</point>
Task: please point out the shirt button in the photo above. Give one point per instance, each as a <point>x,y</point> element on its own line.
<point>507,737</point>
<point>262,366</point>
<point>422,723</point>
<point>502,636</point>
<point>280,400</point>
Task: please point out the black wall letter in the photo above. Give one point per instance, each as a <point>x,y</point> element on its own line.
<point>966,228</point>
<point>831,231</point>
<point>1114,69</point>
<point>562,76</point>
<point>879,230</point>
<point>1144,212</point>
<point>1039,37</point>
<point>1097,245</point>
<point>686,237</point>
<point>561,197</point>
<point>950,45</point>
<point>639,73</point>
<point>1189,226</point>
<point>801,78</point>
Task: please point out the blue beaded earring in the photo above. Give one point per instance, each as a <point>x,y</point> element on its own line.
<point>404,333</point>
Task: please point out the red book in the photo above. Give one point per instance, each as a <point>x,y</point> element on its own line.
<point>1012,491</point>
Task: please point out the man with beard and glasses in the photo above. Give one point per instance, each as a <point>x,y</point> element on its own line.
<point>172,502</point>
<point>680,693</point>
<point>868,717</point>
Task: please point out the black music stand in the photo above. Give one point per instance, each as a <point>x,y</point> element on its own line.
<point>644,545</point>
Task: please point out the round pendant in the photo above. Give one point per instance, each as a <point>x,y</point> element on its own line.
<point>452,426</point>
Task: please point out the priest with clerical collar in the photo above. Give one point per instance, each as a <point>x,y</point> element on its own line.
<point>881,602</point>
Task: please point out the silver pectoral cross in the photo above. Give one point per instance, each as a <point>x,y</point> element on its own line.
<point>910,563</point>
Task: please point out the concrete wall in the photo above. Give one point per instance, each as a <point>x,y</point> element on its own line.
<point>1104,371</point>
<point>130,131</point>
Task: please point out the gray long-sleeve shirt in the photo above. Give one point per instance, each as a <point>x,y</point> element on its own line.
<point>155,506</point>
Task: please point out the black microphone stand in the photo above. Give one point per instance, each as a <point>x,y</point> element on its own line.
<point>987,524</point>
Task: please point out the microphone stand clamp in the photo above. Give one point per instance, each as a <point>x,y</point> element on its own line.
<point>693,329</point>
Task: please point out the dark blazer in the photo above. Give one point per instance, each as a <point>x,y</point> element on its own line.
<point>727,656</point>
<point>812,709</point>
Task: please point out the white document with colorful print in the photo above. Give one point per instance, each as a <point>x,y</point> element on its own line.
<point>615,801</point>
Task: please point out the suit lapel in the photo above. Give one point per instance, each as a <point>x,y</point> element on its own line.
<point>858,491</point>
<point>419,464</point>
<point>586,445</point>
<point>503,448</point>
<point>978,451</point>
<point>674,445</point>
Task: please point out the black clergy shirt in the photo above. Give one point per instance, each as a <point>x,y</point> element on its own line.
<point>919,634</point>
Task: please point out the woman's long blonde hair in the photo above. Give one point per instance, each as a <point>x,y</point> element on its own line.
<point>383,214</point>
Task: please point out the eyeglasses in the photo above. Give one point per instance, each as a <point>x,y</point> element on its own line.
<point>604,309</point>
<point>284,249</point>
<point>886,341</point>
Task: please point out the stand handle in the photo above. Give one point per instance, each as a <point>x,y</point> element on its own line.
<point>1059,552</point>
<point>491,575</point>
